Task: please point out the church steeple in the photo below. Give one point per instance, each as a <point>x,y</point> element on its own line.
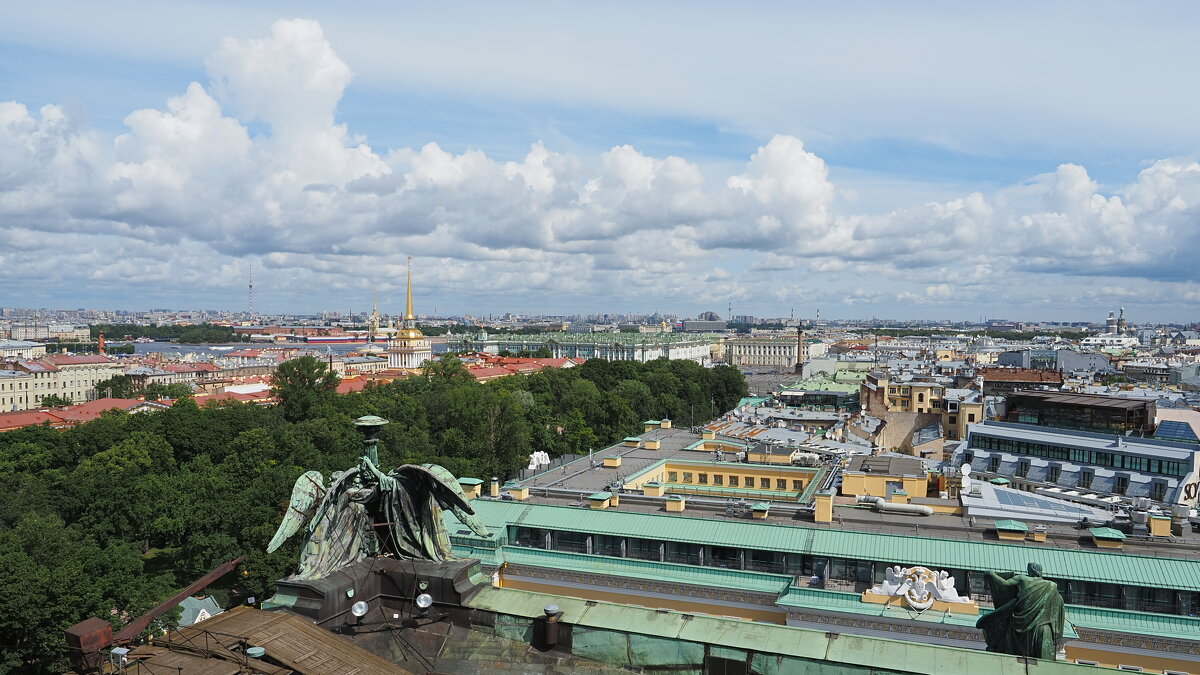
<point>408,311</point>
<point>408,349</point>
<point>373,326</point>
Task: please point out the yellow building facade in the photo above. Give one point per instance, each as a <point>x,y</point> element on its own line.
<point>753,480</point>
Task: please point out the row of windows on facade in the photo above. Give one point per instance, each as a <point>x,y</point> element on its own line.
<point>781,484</point>
<point>1112,460</point>
<point>24,386</point>
<point>1158,489</point>
<point>840,571</point>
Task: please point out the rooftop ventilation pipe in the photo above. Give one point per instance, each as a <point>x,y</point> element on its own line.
<point>883,506</point>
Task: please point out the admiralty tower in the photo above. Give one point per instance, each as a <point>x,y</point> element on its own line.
<point>407,347</point>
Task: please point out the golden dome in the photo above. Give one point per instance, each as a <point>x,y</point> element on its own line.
<point>409,334</point>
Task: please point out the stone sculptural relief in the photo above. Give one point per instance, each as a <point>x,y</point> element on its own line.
<point>919,587</point>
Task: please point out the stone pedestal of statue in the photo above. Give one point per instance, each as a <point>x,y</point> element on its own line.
<point>388,586</point>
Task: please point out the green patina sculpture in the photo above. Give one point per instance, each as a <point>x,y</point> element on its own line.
<point>366,512</point>
<point>1028,619</point>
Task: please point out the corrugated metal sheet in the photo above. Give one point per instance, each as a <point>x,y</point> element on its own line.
<point>1080,565</point>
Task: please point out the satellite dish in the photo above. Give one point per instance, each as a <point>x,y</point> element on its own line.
<point>359,609</point>
<point>424,601</point>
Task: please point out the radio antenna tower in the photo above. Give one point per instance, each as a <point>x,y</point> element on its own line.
<point>251,289</point>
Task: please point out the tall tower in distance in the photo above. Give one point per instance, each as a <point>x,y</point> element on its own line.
<point>250,291</point>
<point>408,348</point>
<point>373,325</point>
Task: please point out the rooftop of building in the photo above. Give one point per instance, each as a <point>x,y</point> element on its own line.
<point>580,474</point>
<point>567,485</point>
<point>888,465</point>
<point>1091,400</point>
<point>1159,449</point>
<point>6,343</point>
<point>1019,375</point>
<point>76,360</point>
<point>857,534</point>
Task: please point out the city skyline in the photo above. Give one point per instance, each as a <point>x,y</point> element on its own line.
<point>913,166</point>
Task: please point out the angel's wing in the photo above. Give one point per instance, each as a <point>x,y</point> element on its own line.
<point>444,487</point>
<point>306,494</point>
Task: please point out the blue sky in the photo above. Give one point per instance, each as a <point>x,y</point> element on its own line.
<point>923,160</point>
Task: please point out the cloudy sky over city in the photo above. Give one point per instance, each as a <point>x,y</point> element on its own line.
<point>932,160</point>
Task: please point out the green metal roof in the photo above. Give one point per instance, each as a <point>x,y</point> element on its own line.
<point>761,506</point>
<point>1081,565</point>
<point>632,438</point>
<point>1078,616</point>
<point>998,481</point>
<point>820,649</point>
<point>1081,616</point>
<point>1012,525</point>
<point>851,603</point>
<point>1137,623</point>
<point>1106,533</point>
<point>470,481</point>
<point>600,495</point>
<point>655,422</point>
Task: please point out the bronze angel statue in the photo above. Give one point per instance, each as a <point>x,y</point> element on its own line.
<point>365,512</point>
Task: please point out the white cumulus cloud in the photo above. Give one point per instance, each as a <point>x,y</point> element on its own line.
<point>189,188</point>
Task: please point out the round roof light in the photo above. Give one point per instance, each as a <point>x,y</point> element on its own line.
<point>424,601</point>
<point>359,609</point>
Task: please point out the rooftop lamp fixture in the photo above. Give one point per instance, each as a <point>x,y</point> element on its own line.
<point>369,426</point>
<point>359,610</point>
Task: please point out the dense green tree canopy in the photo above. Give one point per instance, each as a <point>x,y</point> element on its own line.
<point>302,385</point>
<point>204,333</point>
<point>54,400</point>
<point>117,386</point>
<point>107,518</point>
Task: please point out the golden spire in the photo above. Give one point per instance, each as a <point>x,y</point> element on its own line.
<point>374,298</point>
<point>408,313</point>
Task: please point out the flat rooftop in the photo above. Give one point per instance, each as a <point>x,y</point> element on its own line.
<point>570,485</point>
<point>887,465</point>
<point>1092,400</point>
<point>580,475</point>
<point>1131,445</point>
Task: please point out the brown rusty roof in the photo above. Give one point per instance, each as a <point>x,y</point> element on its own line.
<point>163,660</point>
<point>288,639</point>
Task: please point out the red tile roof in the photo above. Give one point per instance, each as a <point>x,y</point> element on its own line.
<point>352,384</point>
<point>64,360</point>
<point>485,373</point>
<point>24,418</point>
<point>85,412</point>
